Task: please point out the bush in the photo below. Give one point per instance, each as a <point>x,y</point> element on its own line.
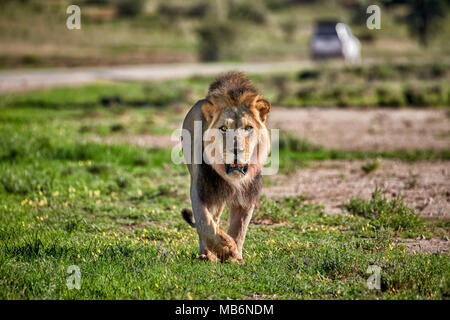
<point>389,98</point>
<point>414,97</point>
<point>381,72</point>
<point>423,97</point>
<point>130,8</point>
<point>216,41</point>
<point>308,75</point>
<point>248,11</point>
<point>383,213</point>
<point>177,11</point>
<point>371,166</point>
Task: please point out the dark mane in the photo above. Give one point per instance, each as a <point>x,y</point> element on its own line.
<point>232,85</point>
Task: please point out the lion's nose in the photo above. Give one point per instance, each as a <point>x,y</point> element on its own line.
<point>237,151</point>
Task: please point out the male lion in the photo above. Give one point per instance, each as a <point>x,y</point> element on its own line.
<point>228,127</point>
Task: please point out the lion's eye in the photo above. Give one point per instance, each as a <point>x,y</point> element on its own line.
<point>248,128</point>
<point>223,128</point>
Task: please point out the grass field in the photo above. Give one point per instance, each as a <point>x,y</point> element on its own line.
<point>113,210</point>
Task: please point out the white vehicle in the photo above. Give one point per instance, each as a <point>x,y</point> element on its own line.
<point>335,40</point>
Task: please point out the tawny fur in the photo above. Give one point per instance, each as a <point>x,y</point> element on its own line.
<point>232,100</point>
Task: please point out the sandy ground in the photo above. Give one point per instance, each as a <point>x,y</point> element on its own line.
<point>358,129</point>
<point>427,246</point>
<point>425,186</point>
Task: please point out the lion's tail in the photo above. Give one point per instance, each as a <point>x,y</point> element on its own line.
<point>188,216</point>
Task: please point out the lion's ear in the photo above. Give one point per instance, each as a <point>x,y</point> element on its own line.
<point>263,107</point>
<point>209,109</point>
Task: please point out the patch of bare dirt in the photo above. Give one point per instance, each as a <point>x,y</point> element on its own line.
<point>425,186</point>
<point>427,246</point>
<point>366,129</point>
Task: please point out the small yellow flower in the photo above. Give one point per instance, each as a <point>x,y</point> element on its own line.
<point>56,193</point>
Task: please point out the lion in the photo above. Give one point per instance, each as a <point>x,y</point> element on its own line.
<point>228,130</point>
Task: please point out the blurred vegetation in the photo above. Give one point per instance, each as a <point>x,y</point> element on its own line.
<point>33,32</point>
<point>217,41</point>
<point>425,18</point>
<point>130,7</point>
<point>383,85</point>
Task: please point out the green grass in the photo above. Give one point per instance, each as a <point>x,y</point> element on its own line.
<point>114,211</point>
<point>382,213</point>
<point>371,166</point>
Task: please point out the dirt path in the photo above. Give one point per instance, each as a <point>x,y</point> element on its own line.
<point>26,80</point>
<point>370,129</point>
<point>425,186</point>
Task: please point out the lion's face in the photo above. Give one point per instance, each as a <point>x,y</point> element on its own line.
<point>236,142</point>
<point>239,140</point>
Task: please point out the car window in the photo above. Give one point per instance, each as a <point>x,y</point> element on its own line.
<point>326,30</point>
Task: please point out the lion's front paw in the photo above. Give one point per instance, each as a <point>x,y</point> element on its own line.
<point>227,248</point>
<point>208,255</point>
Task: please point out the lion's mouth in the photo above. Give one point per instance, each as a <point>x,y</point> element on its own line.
<point>242,168</point>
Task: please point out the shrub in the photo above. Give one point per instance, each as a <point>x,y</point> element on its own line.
<point>371,166</point>
<point>130,8</point>
<point>199,10</point>
<point>289,27</point>
<point>380,72</point>
<point>308,75</point>
<point>414,97</point>
<point>216,41</point>
<point>388,97</point>
<point>420,96</point>
<point>383,213</point>
<point>249,11</point>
